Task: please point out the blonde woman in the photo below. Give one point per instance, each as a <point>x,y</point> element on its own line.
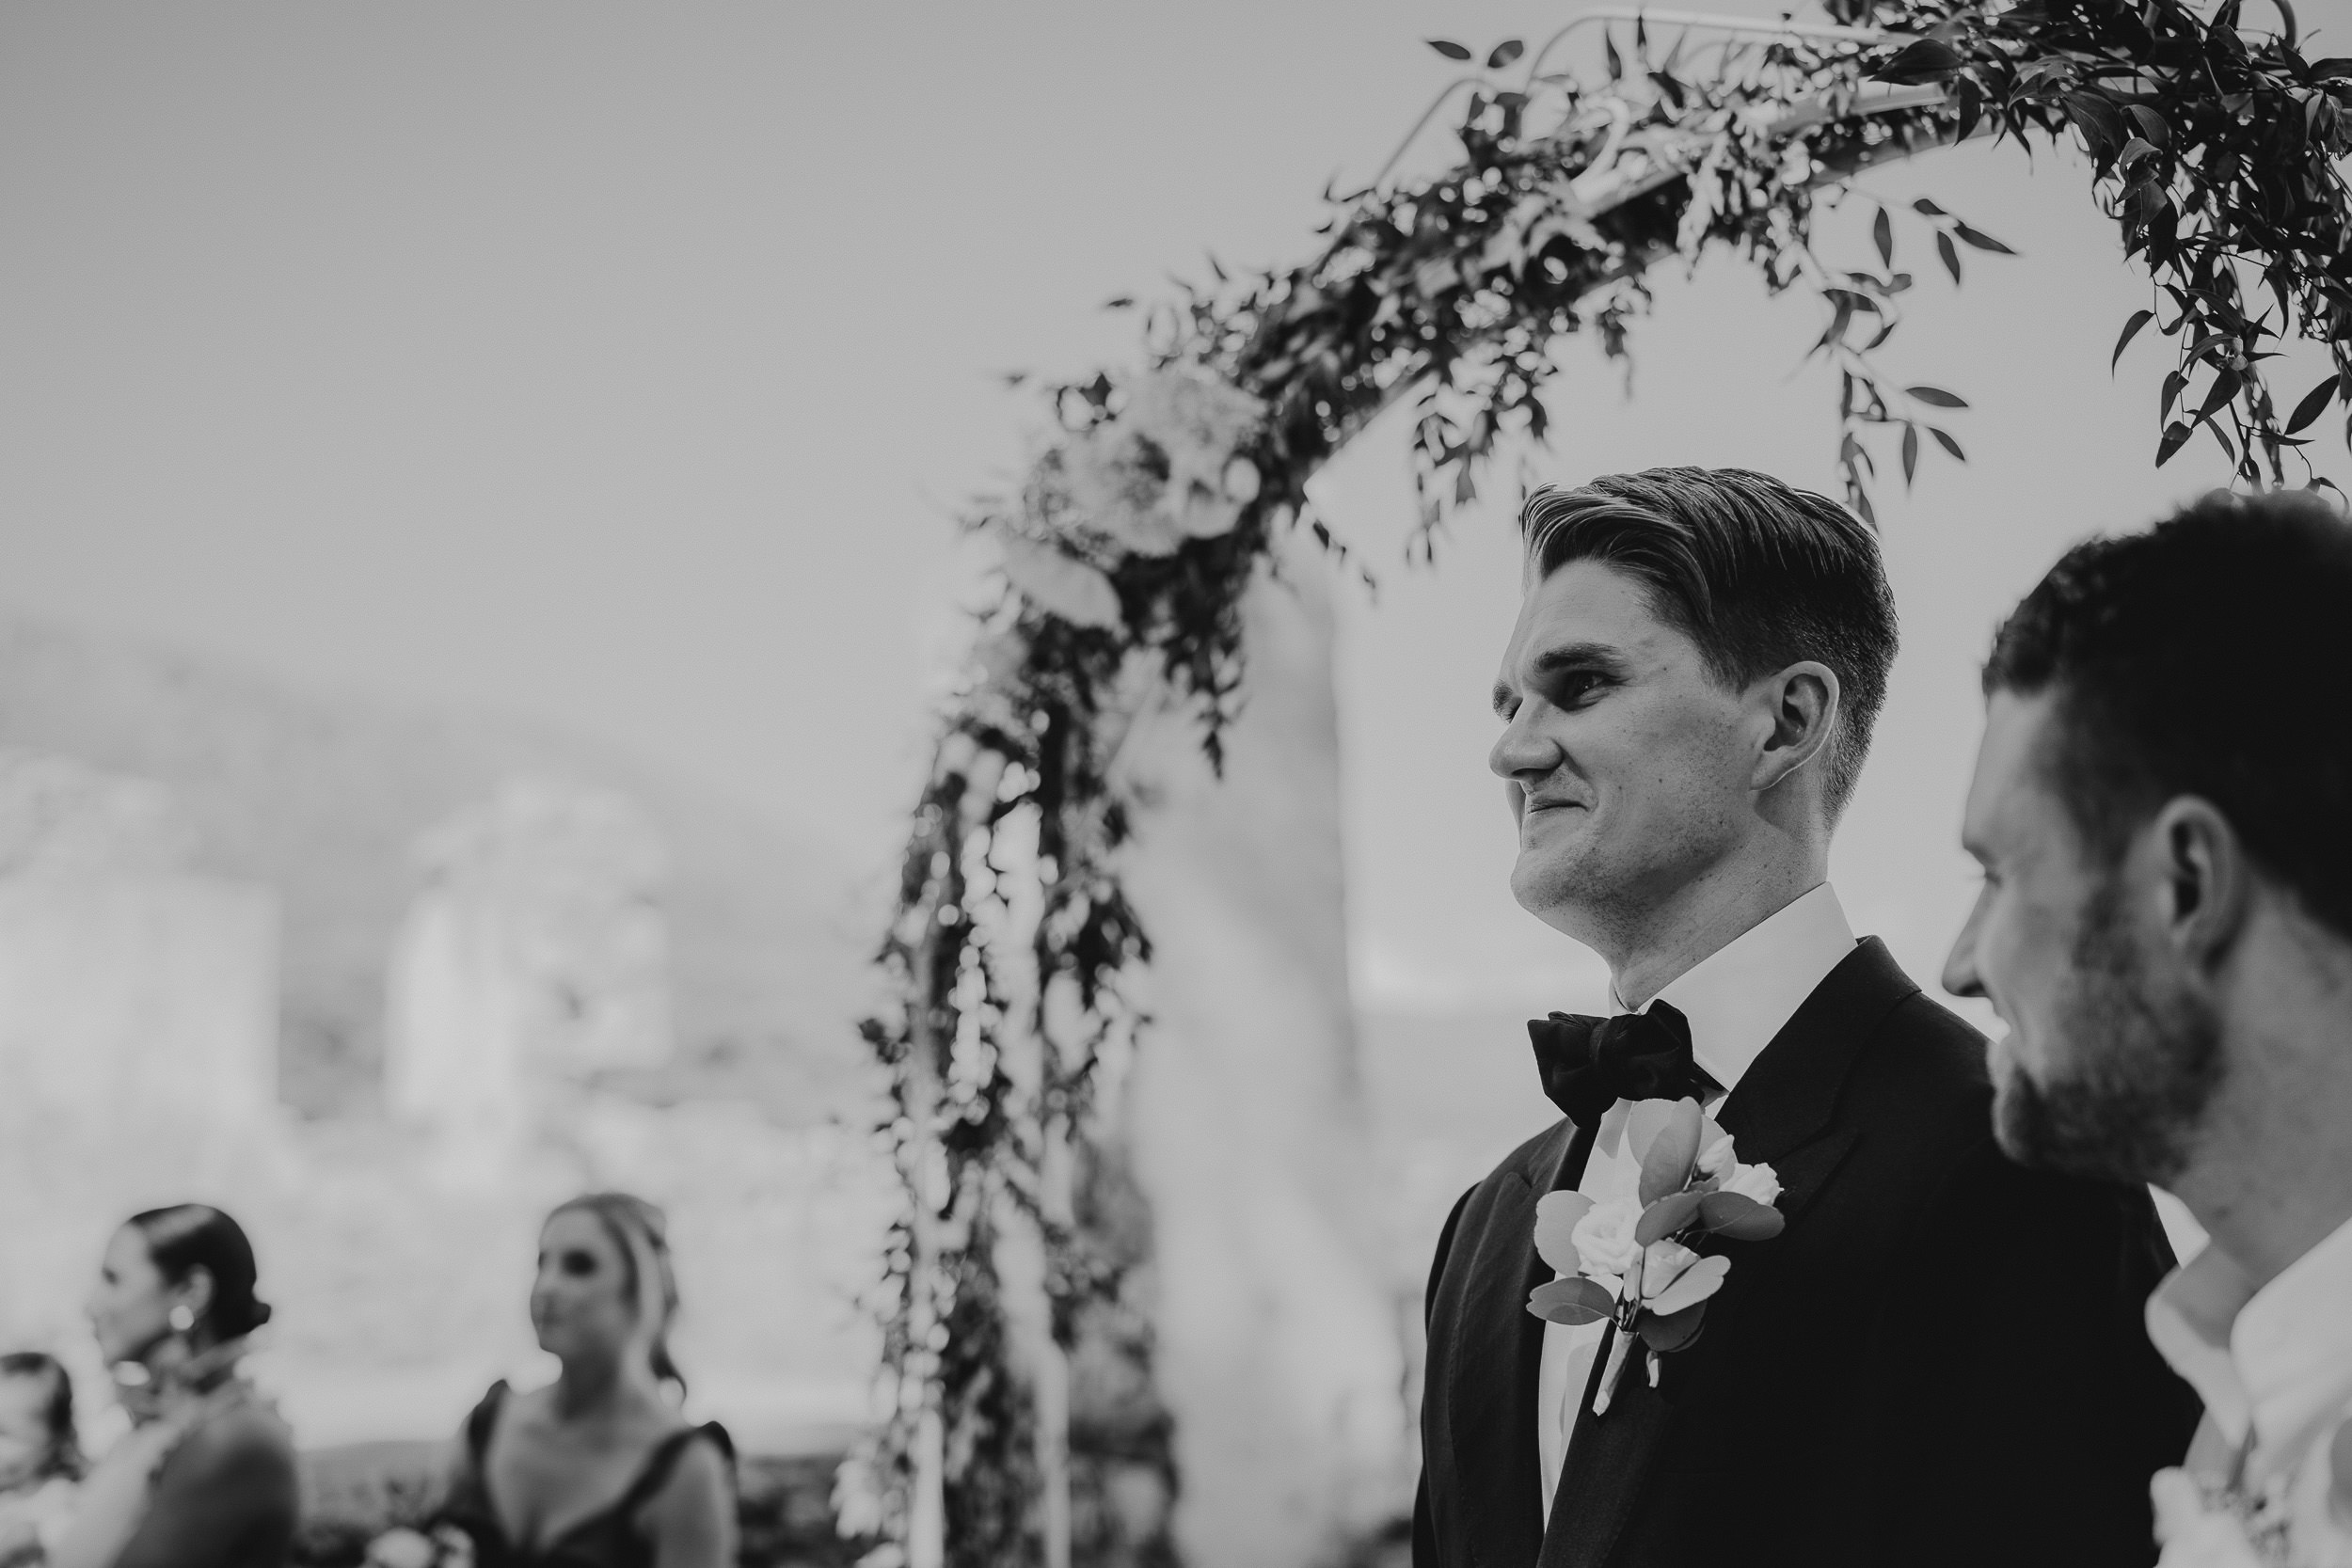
<point>597,1469</point>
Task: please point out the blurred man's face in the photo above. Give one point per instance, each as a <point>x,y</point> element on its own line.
<point>2109,1056</point>
<point>1626,763</point>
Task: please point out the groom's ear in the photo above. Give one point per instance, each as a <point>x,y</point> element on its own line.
<point>1799,706</point>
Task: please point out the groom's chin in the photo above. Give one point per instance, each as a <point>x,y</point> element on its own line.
<point>1536,884</point>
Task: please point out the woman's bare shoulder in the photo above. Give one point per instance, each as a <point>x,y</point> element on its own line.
<point>693,1508</point>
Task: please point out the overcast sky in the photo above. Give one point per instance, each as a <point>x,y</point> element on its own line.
<point>620,368</point>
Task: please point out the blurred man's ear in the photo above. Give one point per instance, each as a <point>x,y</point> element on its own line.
<point>2202,882</point>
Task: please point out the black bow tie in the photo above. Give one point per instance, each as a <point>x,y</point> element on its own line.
<point>1589,1063</point>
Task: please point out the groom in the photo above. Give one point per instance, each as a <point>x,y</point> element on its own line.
<point>1941,1358</point>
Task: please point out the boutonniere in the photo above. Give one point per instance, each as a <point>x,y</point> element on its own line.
<point>1629,1260</point>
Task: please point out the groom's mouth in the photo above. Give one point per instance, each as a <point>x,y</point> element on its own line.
<point>1538,808</point>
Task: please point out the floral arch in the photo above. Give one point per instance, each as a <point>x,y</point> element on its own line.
<point>2216,148</point>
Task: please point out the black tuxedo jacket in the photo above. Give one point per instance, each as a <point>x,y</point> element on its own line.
<point>1941,1360</point>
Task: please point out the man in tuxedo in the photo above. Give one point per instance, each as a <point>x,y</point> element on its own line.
<point>1941,1358</point>
<point>2163,807</point>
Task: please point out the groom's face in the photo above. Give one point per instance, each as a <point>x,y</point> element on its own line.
<point>1625,761</point>
<point>2109,1056</point>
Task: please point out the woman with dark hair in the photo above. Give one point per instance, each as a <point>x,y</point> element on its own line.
<point>205,1478</point>
<point>597,1469</point>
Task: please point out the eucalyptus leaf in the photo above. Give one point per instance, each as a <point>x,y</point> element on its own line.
<point>1699,1281</point>
<point>1920,60</point>
<point>1667,1215</point>
<point>1671,1334</point>
<point>2130,330</point>
<point>1504,53</point>
<point>1572,1301</point>
<point>1644,1120</point>
<point>1449,49</point>
<point>2314,404</point>
<point>1666,1168</point>
<point>1738,1218</point>
<point>1982,240</point>
<point>1936,397</point>
<point>1557,1216</point>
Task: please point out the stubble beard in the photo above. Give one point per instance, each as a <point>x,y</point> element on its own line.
<point>2142,1061</point>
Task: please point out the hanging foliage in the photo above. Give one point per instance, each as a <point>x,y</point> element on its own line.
<point>1126,551</point>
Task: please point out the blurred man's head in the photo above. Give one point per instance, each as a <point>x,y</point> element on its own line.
<point>2163,809</point>
<point>1698,659</point>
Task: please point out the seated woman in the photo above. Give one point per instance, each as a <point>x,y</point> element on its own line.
<point>597,1469</point>
<point>41,1458</point>
<point>205,1478</point>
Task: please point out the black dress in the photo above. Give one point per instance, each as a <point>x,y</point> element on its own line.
<point>608,1538</point>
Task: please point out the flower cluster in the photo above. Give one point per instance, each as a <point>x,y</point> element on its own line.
<point>1166,467</point>
<point>1631,1260</point>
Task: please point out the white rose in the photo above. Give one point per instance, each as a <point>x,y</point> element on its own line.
<point>1755,1181</point>
<point>401,1548</point>
<point>1661,1265</point>
<point>2195,1534</point>
<point>1716,1159</point>
<point>1604,1236</point>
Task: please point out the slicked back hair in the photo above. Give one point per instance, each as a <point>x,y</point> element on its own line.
<point>1759,574</point>
<point>2209,656</point>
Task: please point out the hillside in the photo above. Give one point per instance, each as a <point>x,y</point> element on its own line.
<point>319,794</point>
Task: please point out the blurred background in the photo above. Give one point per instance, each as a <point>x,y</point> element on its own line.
<point>478,560</point>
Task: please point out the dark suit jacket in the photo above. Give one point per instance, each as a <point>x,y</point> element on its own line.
<point>1940,1360</point>
<point>225,1498</point>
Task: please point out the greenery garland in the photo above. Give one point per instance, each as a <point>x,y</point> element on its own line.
<point>2216,148</point>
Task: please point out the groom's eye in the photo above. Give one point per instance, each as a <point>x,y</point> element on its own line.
<point>1575,688</point>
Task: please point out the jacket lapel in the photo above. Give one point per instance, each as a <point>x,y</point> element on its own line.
<point>1789,1094</point>
<point>1500,1355</point>
<point>1780,1114</point>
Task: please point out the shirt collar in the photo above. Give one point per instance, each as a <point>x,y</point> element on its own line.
<point>2277,1361</point>
<point>1744,992</point>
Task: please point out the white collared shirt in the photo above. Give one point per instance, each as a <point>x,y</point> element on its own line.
<point>2274,1365</point>
<point>1737,999</point>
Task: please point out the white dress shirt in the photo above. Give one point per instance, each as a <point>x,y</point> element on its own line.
<point>2274,1367</point>
<point>1737,999</point>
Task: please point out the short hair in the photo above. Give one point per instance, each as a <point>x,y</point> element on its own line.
<point>1759,574</point>
<point>57,1410</point>
<point>2209,656</point>
<point>191,1236</point>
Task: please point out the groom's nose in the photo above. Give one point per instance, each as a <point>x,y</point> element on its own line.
<point>1520,755</point>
